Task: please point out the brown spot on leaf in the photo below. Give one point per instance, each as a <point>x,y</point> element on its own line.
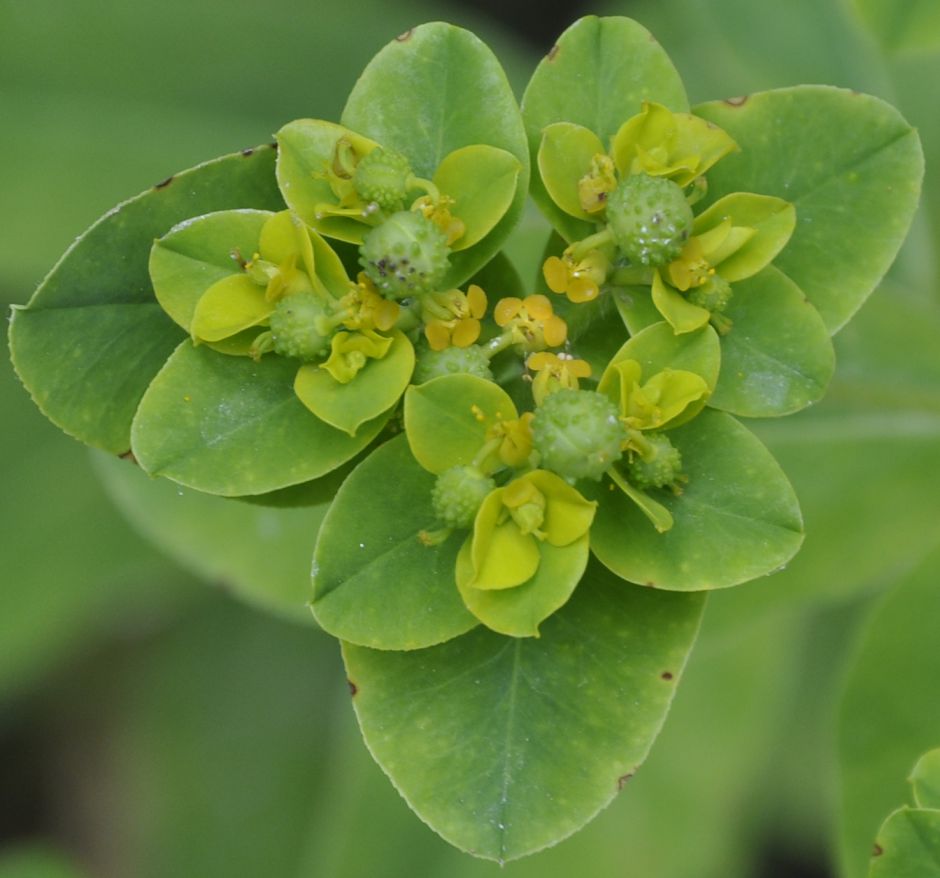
<point>666,675</point>
<point>622,781</point>
<point>248,152</point>
<point>353,688</point>
<point>877,850</point>
<point>403,38</point>
<point>129,455</point>
<point>739,101</point>
<point>553,52</point>
<point>650,584</point>
<point>164,183</point>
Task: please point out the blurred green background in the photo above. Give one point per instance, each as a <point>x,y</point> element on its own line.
<point>151,725</point>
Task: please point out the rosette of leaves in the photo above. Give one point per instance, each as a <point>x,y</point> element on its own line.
<point>508,673</point>
<point>786,225</point>
<point>99,354</point>
<point>412,137</point>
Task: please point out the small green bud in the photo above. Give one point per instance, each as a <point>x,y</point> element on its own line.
<point>452,361</point>
<point>296,327</point>
<point>382,177</point>
<point>458,494</point>
<point>649,218</point>
<point>577,433</point>
<point>405,256</point>
<point>658,470</point>
<point>713,295</point>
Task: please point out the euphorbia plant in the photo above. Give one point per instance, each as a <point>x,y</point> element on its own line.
<point>531,485</point>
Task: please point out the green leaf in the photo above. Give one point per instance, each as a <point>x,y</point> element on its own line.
<point>907,846</point>
<point>375,389</point>
<point>433,90</point>
<point>850,164</point>
<point>736,519</point>
<point>890,695</point>
<point>197,253</point>
<point>564,157</point>
<point>597,75</point>
<point>92,337</point>
<point>231,426</point>
<point>778,357</point>
<point>925,779</point>
<point>519,611</point>
<point>375,582</point>
<point>509,745</point>
<point>482,181</point>
<point>447,419</point>
<point>261,553</point>
<point>902,25</point>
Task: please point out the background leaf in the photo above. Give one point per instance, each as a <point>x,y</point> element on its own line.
<point>231,426</point>
<point>506,745</point>
<point>925,779</point>
<point>908,844</point>
<point>890,714</point>
<point>777,358</point>
<point>433,90</point>
<point>850,164</point>
<point>260,553</point>
<point>375,582</point>
<point>92,337</point>
<point>737,517</point>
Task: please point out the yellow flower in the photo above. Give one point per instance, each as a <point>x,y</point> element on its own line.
<point>512,522</point>
<point>452,318</point>
<point>439,213</point>
<point>515,440</point>
<point>555,371</point>
<point>661,143</point>
<point>732,240</point>
<point>367,309</point>
<point>597,184</point>
<point>531,321</point>
<point>351,350</point>
<point>654,403</point>
<point>579,280</point>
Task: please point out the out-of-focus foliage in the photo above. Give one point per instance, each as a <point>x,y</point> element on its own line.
<point>36,861</point>
<point>902,25</point>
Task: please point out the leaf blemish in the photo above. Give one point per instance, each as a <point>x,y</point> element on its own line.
<point>739,101</point>
<point>877,850</point>
<point>622,780</point>
<point>403,38</point>
<point>552,52</point>
<point>247,152</point>
<point>164,183</point>
<point>353,688</point>
<point>666,675</point>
